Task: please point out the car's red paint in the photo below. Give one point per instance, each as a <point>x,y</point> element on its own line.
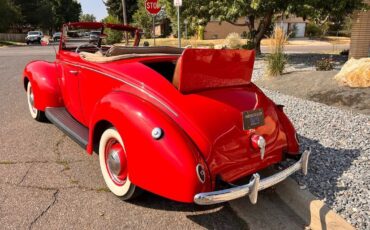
<point>43,76</point>
<point>219,69</point>
<point>202,120</point>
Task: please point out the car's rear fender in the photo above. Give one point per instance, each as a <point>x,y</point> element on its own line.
<point>45,87</point>
<point>166,166</point>
<point>290,132</point>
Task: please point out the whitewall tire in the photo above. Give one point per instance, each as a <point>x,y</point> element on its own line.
<point>113,165</point>
<point>35,113</point>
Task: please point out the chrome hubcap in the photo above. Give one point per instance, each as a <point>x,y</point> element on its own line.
<point>114,163</point>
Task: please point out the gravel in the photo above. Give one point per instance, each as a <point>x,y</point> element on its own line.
<point>339,171</point>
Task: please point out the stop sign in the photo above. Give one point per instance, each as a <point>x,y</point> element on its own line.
<point>152,6</point>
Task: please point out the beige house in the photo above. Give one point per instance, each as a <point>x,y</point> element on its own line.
<point>217,30</point>
<point>360,35</point>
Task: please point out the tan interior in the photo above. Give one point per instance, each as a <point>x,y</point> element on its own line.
<point>119,53</point>
<point>176,76</point>
<point>98,58</point>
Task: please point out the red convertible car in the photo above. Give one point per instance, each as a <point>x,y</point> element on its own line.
<point>186,124</point>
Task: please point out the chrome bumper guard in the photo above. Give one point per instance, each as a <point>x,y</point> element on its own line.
<point>251,189</point>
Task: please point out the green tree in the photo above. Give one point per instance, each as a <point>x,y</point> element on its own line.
<point>144,21</point>
<point>87,18</point>
<point>113,36</point>
<point>259,14</point>
<point>9,14</point>
<point>48,14</point>
<point>114,8</point>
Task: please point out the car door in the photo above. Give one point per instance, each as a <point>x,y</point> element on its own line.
<point>70,83</point>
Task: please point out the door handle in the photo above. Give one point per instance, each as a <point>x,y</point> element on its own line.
<point>74,72</point>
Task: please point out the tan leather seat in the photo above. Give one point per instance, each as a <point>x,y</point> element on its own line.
<point>177,73</point>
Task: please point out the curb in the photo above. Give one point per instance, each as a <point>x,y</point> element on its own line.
<point>288,207</point>
<point>313,211</point>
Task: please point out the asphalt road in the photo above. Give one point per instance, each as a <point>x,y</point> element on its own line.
<point>48,182</point>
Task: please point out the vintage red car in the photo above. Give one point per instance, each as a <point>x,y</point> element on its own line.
<point>186,124</point>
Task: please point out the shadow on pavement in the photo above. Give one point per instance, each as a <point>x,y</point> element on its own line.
<point>210,217</point>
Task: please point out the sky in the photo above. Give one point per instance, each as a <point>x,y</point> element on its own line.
<point>95,7</point>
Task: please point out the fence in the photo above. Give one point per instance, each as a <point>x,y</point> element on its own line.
<point>12,37</point>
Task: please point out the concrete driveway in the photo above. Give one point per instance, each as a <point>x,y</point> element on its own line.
<point>48,182</point>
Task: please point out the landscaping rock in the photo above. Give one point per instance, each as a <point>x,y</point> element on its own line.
<point>355,73</point>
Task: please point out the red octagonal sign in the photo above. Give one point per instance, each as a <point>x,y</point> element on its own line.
<point>152,6</point>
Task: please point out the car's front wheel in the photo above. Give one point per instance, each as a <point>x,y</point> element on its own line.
<point>35,113</point>
<point>113,164</point>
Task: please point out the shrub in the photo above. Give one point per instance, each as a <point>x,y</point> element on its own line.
<point>249,46</point>
<point>313,30</point>
<point>324,64</point>
<point>113,36</point>
<point>276,60</point>
<point>344,52</point>
<point>244,35</point>
<point>233,41</point>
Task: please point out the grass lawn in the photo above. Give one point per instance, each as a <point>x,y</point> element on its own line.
<point>264,42</point>
<point>10,43</point>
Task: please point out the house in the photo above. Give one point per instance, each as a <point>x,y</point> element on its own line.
<point>293,25</point>
<point>219,30</point>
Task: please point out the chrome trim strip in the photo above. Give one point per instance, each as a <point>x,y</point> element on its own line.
<point>251,189</point>
<point>126,82</point>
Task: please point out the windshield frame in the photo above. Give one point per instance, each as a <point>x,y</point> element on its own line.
<point>98,26</point>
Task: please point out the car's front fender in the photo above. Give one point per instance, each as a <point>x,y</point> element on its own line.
<point>166,166</point>
<point>44,81</point>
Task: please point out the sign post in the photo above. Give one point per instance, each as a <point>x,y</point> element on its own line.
<point>178,4</point>
<point>152,7</point>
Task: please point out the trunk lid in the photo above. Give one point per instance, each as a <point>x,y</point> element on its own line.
<point>217,90</point>
<point>218,115</point>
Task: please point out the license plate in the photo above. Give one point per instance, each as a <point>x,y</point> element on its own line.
<point>253,119</point>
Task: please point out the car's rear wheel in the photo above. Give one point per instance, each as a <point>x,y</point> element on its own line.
<point>35,113</point>
<point>113,164</point>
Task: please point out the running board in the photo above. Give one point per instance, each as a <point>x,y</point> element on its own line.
<point>65,122</point>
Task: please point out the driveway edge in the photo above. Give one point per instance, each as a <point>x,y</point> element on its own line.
<point>290,199</point>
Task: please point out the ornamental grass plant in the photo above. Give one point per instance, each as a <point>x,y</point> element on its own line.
<point>276,60</point>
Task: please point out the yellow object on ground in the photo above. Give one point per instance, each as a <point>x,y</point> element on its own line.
<point>355,73</point>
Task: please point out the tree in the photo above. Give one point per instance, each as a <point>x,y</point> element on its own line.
<point>9,14</point>
<point>113,36</point>
<point>87,18</point>
<point>259,14</point>
<point>144,21</point>
<point>48,14</point>
<point>114,8</point>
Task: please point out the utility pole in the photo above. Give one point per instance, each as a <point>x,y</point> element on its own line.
<point>124,12</point>
<point>125,18</point>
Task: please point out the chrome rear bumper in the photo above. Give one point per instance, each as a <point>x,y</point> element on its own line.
<point>251,189</point>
